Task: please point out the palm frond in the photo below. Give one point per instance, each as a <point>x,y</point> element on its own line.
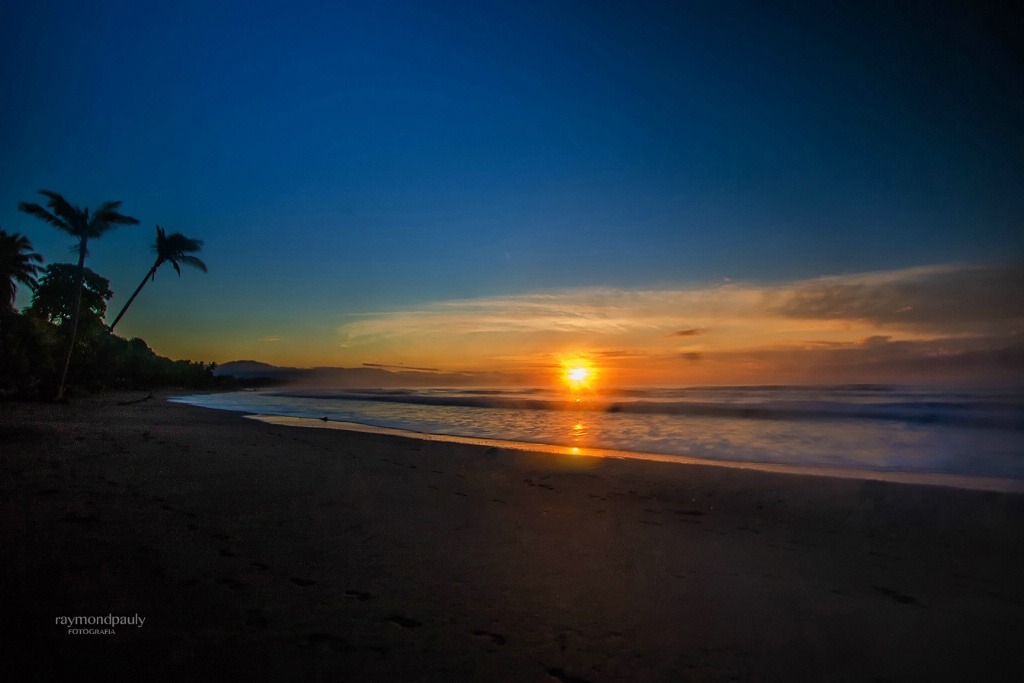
<point>178,243</point>
<point>176,248</point>
<point>109,212</point>
<point>159,247</point>
<point>26,247</point>
<point>17,264</point>
<point>106,217</point>
<point>45,216</point>
<point>110,205</point>
<point>18,247</point>
<point>194,262</point>
<point>62,207</point>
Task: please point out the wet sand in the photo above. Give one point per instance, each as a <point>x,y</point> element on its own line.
<point>279,553</point>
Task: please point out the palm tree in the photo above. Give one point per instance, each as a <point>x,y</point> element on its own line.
<point>174,249</point>
<point>83,226</point>
<point>17,264</point>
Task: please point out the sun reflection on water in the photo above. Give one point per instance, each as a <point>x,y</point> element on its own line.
<point>579,432</point>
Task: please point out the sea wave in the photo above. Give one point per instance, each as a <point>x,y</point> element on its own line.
<point>754,403</point>
<point>877,428</point>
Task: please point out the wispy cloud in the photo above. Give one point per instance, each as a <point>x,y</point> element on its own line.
<point>590,311</point>
<point>882,358</point>
<point>692,332</point>
<point>942,298</point>
<point>841,321</point>
<point>400,366</point>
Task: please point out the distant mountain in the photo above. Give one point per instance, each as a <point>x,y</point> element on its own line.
<point>362,377</point>
<point>251,369</point>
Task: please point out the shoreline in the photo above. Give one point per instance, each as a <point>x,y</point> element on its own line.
<point>915,452</point>
<point>253,549</point>
<point>960,481</point>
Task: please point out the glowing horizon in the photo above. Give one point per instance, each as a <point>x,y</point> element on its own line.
<point>920,324</point>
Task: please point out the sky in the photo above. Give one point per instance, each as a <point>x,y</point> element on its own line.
<point>677,192</point>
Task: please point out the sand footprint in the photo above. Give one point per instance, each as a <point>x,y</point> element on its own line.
<point>564,677</point>
<point>495,638</point>
<point>361,596</point>
<point>405,622</point>
<point>901,598</point>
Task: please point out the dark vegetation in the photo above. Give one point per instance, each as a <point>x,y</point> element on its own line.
<point>61,341</point>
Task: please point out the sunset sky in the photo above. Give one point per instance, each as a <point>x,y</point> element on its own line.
<point>682,192</point>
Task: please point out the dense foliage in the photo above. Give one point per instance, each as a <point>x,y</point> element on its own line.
<point>54,296</point>
<point>18,265</point>
<point>62,339</point>
<point>34,343</point>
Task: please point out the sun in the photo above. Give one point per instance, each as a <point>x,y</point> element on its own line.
<point>578,375</point>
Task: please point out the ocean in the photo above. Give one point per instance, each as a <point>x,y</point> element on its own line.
<point>880,428</point>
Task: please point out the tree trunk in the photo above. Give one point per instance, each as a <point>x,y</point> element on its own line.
<point>135,294</point>
<point>74,318</point>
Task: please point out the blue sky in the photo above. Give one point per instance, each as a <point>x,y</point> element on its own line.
<point>351,161</point>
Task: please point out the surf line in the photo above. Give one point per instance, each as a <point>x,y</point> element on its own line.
<point>921,478</point>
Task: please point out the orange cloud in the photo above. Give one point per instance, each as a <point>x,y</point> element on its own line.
<point>692,332</point>
<point>815,330</point>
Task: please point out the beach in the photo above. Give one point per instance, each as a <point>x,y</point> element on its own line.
<point>273,552</point>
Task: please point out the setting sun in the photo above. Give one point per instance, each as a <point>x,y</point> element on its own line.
<point>578,374</point>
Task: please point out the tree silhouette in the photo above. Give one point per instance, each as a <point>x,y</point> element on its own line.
<point>174,249</point>
<point>17,264</point>
<point>57,292</point>
<point>82,225</point>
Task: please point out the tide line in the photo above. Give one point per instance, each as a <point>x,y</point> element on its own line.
<point>917,478</point>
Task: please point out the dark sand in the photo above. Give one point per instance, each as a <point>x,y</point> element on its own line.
<point>257,551</point>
